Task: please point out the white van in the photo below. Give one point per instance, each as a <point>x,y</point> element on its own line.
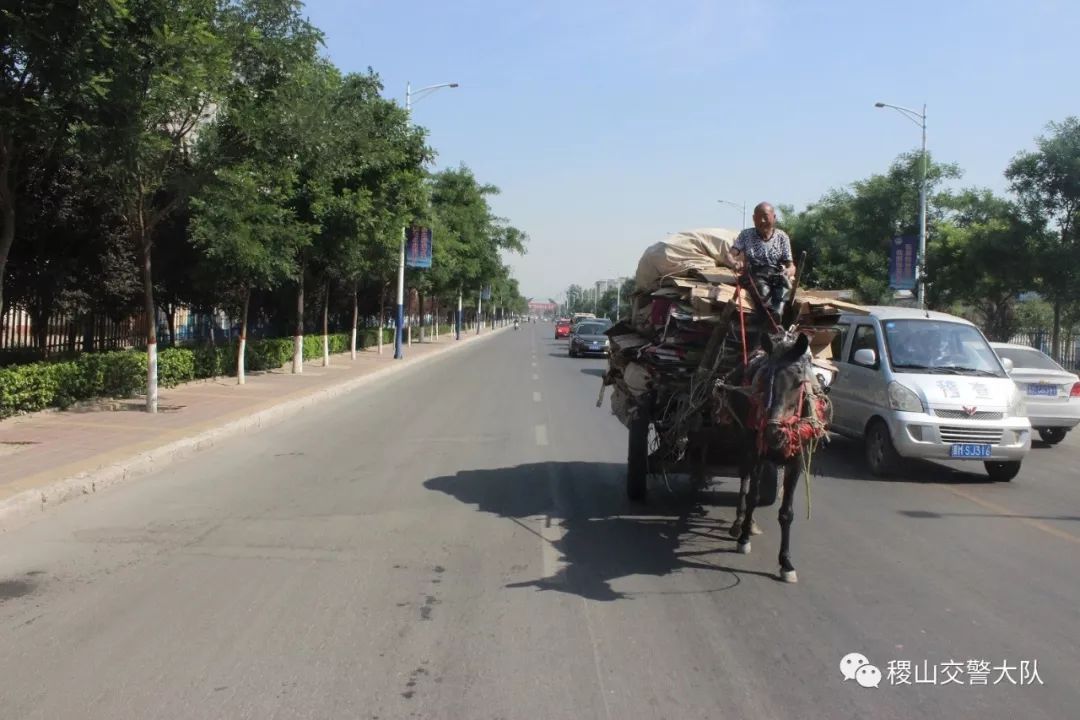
<point>921,384</point>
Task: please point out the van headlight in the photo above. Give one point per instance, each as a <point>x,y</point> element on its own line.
<point>903,398</point>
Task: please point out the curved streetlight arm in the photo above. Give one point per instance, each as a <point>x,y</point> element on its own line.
<point>737,206</point>
<point>919,118</point>
<point>413,96</point>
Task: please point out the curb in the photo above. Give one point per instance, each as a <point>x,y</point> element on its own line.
<point>38,500</point>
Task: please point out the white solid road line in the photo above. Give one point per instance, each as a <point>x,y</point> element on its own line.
<point>541,435</point>
<point>536,397</point>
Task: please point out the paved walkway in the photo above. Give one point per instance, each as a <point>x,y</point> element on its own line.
<point>43,448</point>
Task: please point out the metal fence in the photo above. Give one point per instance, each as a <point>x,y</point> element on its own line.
<point>66,333</point>
<point>1041,339</point>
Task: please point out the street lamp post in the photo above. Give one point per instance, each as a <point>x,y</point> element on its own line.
<point>737,206</point>
<point>420,94</point>
<point>919,118</point>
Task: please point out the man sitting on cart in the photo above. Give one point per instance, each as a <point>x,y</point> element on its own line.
<point>763,252</point>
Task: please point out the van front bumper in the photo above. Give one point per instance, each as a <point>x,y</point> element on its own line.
<point>918,435</point>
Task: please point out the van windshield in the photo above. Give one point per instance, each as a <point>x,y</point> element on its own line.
<point>939,347</point>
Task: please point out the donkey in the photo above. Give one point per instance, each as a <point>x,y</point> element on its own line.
<point>784,414</point>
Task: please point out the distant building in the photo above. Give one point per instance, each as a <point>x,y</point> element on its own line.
<point>542,308</point>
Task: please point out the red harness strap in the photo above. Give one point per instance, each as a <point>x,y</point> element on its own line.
<point>797,430</point>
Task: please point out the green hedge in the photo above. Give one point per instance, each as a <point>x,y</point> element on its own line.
<point>36,386</point>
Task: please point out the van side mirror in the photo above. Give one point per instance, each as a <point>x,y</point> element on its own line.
<point>1007,364</point>
<point>865,357</point>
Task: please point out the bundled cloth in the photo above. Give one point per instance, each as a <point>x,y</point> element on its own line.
<point>676,255</point>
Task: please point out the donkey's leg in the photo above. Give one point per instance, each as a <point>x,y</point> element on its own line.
<point>740,511</point>
<point>792,471</point>
<point>748,519</point>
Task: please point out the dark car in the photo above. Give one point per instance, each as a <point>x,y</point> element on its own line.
<point>588,338</point>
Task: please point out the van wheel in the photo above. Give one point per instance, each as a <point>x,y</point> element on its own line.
<point>1052,436</point>
<point>881,454</point>
<point>1002,471</point>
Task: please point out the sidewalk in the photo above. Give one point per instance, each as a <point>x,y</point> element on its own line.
<point>52,456</point>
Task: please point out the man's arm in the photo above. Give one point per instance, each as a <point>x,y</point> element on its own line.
<point>786,260</point>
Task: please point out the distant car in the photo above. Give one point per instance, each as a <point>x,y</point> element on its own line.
<point>1051,392</point>
<point>562,329</point>
<point>588,338</point>
<point>593,320</point>
<point>578,317</point>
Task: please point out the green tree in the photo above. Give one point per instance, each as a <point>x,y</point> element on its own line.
<point>1047,182</point>
<point>51,79</point>
<point>166,71</point>
<point>984,256</point>
<point>847,233</point>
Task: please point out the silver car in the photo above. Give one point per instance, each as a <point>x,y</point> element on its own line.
<point>1052,392</point>
<point>921,384</point>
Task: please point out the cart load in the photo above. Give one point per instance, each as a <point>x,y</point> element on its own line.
<point>693,319</point>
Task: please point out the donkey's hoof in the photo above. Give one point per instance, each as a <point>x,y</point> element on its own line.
<point>754,529</point>
<point>743,548</point>
<point>736,529</point>
<point>789,576</point>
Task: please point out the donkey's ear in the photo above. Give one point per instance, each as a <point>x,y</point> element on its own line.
<point>802,342</point>
<point>766,343</point>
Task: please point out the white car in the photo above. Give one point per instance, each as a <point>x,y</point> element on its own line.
<point>1052,392</point>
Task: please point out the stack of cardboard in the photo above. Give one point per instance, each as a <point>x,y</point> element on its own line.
<point>671,326</point>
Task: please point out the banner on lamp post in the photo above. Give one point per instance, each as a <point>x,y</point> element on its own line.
<point>418,247</point>
<point>485,293</point>
<point>903,256</point>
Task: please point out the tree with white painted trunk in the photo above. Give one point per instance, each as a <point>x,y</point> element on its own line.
<point>160,94</point>
<point>244,218</point>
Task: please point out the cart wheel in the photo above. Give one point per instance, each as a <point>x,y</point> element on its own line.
<point>637,458</point>
<point>768,475</point>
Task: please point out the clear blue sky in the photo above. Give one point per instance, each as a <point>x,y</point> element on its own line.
<point>609,123</point>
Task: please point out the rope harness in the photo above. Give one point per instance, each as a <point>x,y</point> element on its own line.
<point>801,431</point>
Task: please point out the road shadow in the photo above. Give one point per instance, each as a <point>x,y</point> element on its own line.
<point>843,459</point>
<point>595,372</point>
<point>600,536</point>
<point>930,515</point>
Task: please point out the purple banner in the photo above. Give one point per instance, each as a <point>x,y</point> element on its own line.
<point>418,247</point>
<point>903,257</point>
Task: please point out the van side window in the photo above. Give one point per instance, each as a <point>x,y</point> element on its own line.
<point>865,338</point>
<point>843,329</point>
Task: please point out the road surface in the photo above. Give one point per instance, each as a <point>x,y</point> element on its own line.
<point>455,543</point>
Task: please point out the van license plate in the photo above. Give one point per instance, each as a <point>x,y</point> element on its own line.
<point>1043,390</point>
<point>969,450</point>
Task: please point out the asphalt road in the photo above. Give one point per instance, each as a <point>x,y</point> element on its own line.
<point>455,544</point>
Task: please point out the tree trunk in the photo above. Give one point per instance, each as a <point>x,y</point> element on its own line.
<point>240,353</point>
<point>382,316</point>
<point>326,326</point>
<point>298,336</point>
<point>1055,341</point>
<point>170,315</point>
<point>88,333</point>
<point>7,207</point>
<point>355,321</point>
<point>146,246</point>
<point>420,301</point>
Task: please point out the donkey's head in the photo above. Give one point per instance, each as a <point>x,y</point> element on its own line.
<point>787,398</point>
